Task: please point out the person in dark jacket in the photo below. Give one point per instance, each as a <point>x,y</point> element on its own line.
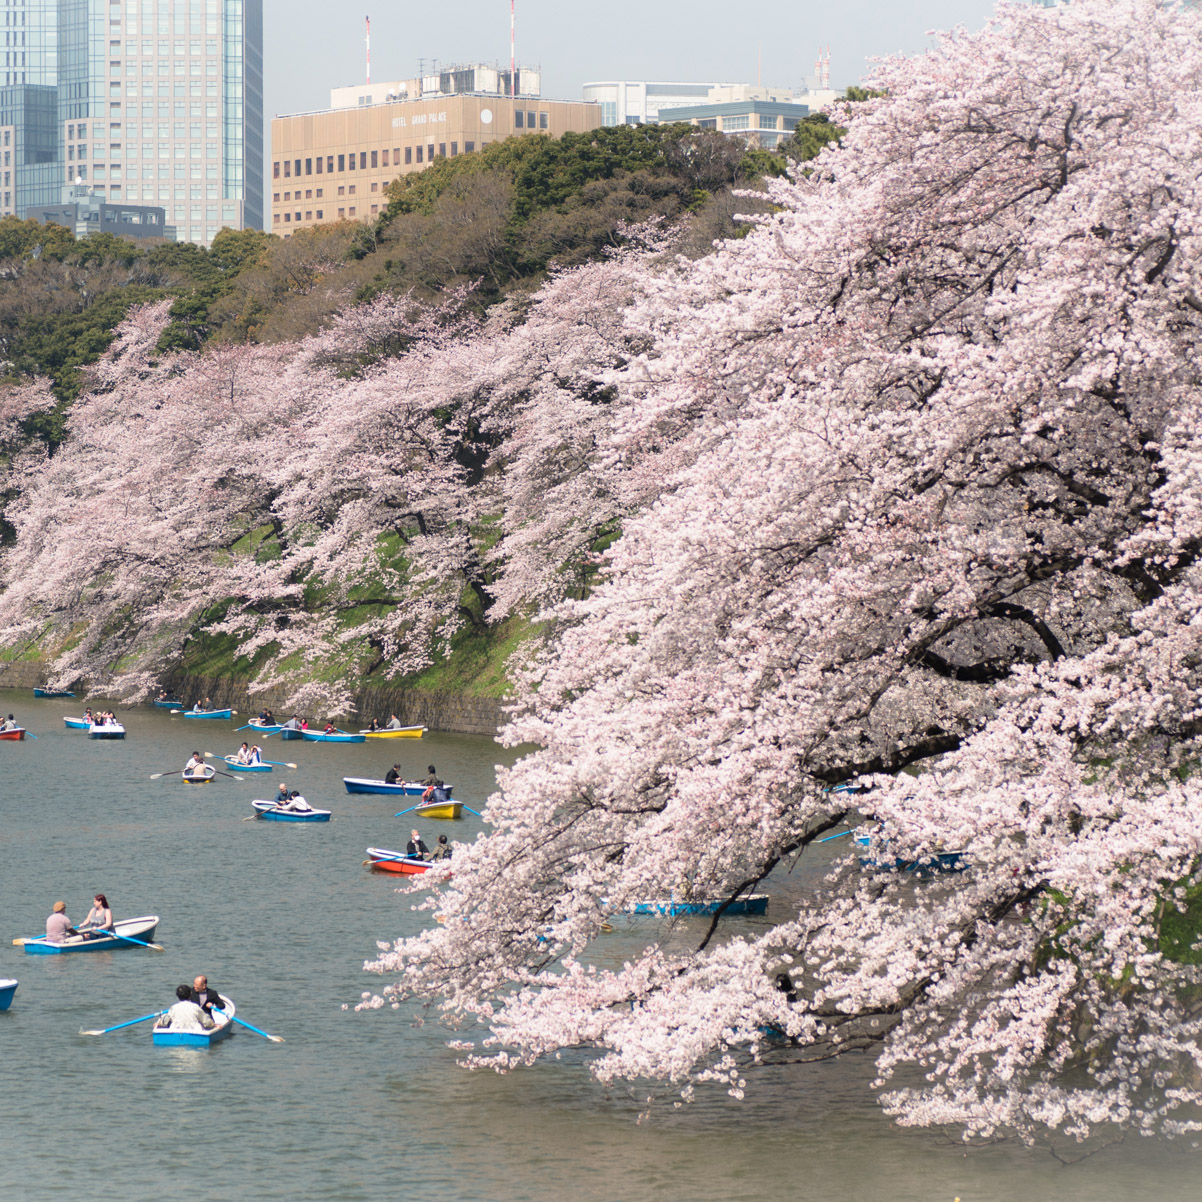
<point>415,848</point>
<point>205,997</point>
<point>393,775</point>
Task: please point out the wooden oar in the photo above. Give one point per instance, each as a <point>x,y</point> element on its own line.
<point>243,1023</point>
<point>132,1021</point>
<point>160,775</point>
<point>154,947</point>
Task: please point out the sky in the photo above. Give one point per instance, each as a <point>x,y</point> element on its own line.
<point>313,45</point>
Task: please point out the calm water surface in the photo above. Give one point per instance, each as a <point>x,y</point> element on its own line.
<point>368,1106</point>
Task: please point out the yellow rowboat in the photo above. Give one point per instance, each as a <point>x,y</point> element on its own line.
<point>406,732</point>
<point>440,809</point>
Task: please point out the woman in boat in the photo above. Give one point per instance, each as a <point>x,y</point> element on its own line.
<point>99,919</point>
<point>255,756</point>
<point>330,729</point>
<point>243,754</point>
<point>88,717</point>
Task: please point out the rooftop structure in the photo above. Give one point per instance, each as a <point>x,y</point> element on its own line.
<point>473,79</point>
<point>640,102</point>
<point>84,212</point>
<point>762,123</point>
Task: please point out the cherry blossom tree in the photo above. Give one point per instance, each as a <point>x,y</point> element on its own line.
<point>918,467</point>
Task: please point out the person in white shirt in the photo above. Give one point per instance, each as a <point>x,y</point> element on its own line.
<point>186,1015</point>
<point>58,925</point>
<point>243,754</point>
<point>194,765</point>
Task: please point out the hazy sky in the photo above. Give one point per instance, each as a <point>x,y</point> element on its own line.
<point>313,45</point>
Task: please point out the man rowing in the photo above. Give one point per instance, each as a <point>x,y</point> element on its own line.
<point>195,765</point>
<point>186,1015</point>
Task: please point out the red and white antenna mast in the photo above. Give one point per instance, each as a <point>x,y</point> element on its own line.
<point>367,40</point>
<point>513,73</point>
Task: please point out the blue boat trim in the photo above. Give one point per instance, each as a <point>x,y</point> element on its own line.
<point>363,784</point>
<point>8,987</point>
<point>756,903</point>
<point>136,928</point>
<point>165,1037</point>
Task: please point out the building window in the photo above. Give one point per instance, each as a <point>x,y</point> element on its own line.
<point>419,154</point>
<point>308,166</point>
<point>341,189</point>
<point>731,123</point>
<point>363,160</point>
<point>288,217</point>
<point>330,165</point>
<point>341,212</point>
<point>408,154</point>
<point>275,196</point>
<point>530,120</point>
<point>319,214</point>
<point>275,171</point>
<point>518,118</point>
<point>298,216</point>
<point>287,195</point>
<point>442,150</point>
<point>276,219</point>
<point>341,162</point>
<point>308,193</point>
<point>396,156</point>
<point>320,162</point>
<point>454,149</point>
<point>375,158</point>
<point>708,123</point>
<point>287,169</point>
<point>375,208</point>
<point>468,147</point>
<point>375,187</point>
<point>352,189</point>
<point>544,121</point>
<point>352,210</point>
<point>319,192</point>
<point>309,215</point>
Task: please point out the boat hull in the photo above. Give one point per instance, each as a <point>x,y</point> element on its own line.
<point>7,989</point>
<point>169,705</point>
<point>406,732</point>
<point>165,1037</point>
<point>314,736</point>
<point>110,730</point>
<point>77,724</point>
<point>383,860</point>
<point>199,778</point>
<point>290,733</point>
<point>270,812</point>
<point>137,928</point>
<point>13,736</point>
<point>943,861</point>
<point>439,809</point>
<point>757,903</point>
<point>220,714</point>
<point>237,767</point>
<point>265,728</point>
<point>362,784</point>
<point>53,693</point>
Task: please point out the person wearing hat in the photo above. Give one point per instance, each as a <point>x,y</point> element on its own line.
<point>415,848</point>
<point>442,849</point>
<point>58,925</point>
<point>393,775</point>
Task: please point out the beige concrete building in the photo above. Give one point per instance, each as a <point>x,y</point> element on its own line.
<point>334,165</point>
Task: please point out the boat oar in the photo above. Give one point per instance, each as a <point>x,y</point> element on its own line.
<point>243,1023</point>
<point>408,811</point>
<point>840,835</point>
<point>154,947</point>
<point>160,775</point>
<point>30,735</point>
<point>131,1023</point>
<point>281,764</point>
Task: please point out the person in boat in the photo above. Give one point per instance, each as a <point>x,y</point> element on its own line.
<point>442,849</point>
<point>394,723</point>
<point>256,755</point>
<point>265,717</point>
<point>293,723</point>
<point>9,723</point>
<point>88,717</point>
<point>393,775</point>
<point>372,726</point>
<point>58,925</point>
<point>415,849</point>
<point>296,804</point>
<point>205,996</point>
<point>185,1015</point>
<point>304,724</point>
<point>99,919</point>
<point>243,754</point>
<point>431,777</point>
<point>201,707</point>
<point>330,729</point>
<point>195,766</point>
<point>281,798</point>
<point>270,719</point>
<point>163,695</point>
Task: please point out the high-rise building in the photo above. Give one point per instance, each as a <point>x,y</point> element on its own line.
<point>157,102</point>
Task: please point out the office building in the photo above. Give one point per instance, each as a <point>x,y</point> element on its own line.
<point>158,102</point>
<point>472,79</point>
<point>641,102</point>
<point>763,124</point>
<point>83,212</point>
<point>334,165</point>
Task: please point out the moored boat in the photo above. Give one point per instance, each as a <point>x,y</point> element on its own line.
<point>384,860</point>
<point>923,865</point>
<point>76,723</point>
<point>404,732</point>
<point>135,930</point>
<point>171,703</point>
<point>755,903</point>
<point>165,1037</point>
<point>275,813</point>
<point>53,693</point>
<point>13,736</point>
<point>8,986</point>
<point>317,736</point>
<point>232,761</point>
<point>109,730</point>
<point>199,776</point>
<point>438,809</point>
<point>363,784</point>
<point>227,714</point>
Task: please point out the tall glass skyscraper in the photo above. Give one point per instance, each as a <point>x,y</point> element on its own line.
<point>156,102</point>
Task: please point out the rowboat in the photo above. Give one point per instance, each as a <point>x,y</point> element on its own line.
<point>315,736</point>
<point>76,723</point>
<point>110,730</point>
<point>384,860</point>
<point>173,703</point>
<point>233,763</point>
<point>363,784</point>
<point>199,776</point>
<point>755,903</point>
<point>404,732</point>
<point>141,929</point>
<point>940,861</point>
<point>269,809</point>
<point>53,693</point>
<point>8,987</point>
<point>13,736</point>
<point>288,733</point>
<point>227,714</point>
<point>439,809</point>
<point>268,728</point>
<point>165,1037</point>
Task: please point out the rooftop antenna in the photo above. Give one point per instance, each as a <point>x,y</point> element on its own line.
<point>368,42</point>
<point>513,77</point>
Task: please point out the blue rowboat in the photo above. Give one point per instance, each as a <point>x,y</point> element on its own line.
<point>7,988</point>
<point>233,763</point>
<point>110,730</point>
<point>267,728</point>
<point>226,714</point>
<point>53,693</point>
<point>756,903</point>
<point>173,704</point>
<point>76,723</point>
<point>314,736</point>
<point>941,861</point>
<point>269,810</point>
<point>362,784</point>
<point>290,732</point>
<point>136,928</point>
<point>165,1037</point>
